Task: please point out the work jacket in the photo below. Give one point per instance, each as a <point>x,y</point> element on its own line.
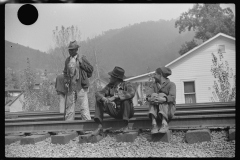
<point>85,70</point>
<point>124,90</point>
<point>168,88</point>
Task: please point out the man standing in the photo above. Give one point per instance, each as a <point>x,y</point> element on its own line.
<point>162,102</point>
<point>115,99</point>
<point>73,84</point>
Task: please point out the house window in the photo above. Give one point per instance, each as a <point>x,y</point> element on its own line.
<point>189,92</point>
<point>221,48</point>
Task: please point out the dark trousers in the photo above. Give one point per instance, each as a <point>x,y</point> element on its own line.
<point>125,110</point>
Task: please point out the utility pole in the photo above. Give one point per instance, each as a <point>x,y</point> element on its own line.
<point>96,64</point>
<point>97,79</point>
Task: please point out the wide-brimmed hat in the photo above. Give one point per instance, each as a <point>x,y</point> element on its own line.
<point>118,72</point>
<point>165,71</point>
<point>73,45</point>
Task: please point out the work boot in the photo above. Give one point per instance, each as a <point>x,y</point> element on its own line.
<point>97,131</point>
<point>164,128</point>
<point>125,129</point>
<point>154,129</point>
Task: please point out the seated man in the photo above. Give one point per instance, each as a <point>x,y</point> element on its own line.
<point>162,102</point>
<point>115,99</point>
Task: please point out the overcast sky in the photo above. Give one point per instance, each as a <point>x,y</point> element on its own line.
<point>91,19</point>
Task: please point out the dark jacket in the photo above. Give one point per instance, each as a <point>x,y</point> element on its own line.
<point>85,72</point>
<point>169,88</point>
<point>126,92</point>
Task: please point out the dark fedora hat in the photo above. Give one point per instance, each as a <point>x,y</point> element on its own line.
<point>118,72</point>
<point>73,45</point>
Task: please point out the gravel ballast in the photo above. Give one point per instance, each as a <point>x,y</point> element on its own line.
<point>141,147</point>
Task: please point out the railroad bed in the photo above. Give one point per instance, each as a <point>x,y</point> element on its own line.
<point>142,146</point>
<point>43,132</point>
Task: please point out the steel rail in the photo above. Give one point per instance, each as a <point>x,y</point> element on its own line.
<point>137,114</point>
<point>179,107</point>
<point>192,121</point>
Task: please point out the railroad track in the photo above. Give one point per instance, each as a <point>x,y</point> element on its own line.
<point>180,107</point>
<point>181,110</point>
<point>204,115</point>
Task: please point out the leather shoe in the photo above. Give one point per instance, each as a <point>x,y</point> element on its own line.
<point>125,129</point>
<point>164,128</point>
<point>97,131</point>
<point>154,129</point>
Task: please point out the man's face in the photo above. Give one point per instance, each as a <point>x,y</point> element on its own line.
<point>157,77</point>
<point>113,80</point>
<point>72,52</point>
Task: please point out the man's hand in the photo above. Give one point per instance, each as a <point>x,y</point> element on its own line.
<point>66,85</point>
<point>112,98</point>
<point>105,100</point>
<point>160,99</point>
<point>116,96</point>
<point>151,98</point>
<point>66,82</point>
<point>154,95</point>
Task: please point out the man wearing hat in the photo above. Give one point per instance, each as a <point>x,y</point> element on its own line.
<point>115,99</point>
<point>162,101</point>
<point>74,83</point>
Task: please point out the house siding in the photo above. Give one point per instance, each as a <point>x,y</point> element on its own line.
<point>197,66</point>
<point>16,106</point>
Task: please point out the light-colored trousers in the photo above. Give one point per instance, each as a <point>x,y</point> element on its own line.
<point>82,99</point>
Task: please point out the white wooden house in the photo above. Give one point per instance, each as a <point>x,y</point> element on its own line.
<point>16,105</point>
<point>192,74</point>
<point>17,100</point>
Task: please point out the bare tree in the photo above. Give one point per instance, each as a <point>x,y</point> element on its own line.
<point>62,37</point>
<point>57,59</point>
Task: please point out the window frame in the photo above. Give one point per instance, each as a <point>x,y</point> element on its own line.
<point>219,48</point>
<point>195,87</point>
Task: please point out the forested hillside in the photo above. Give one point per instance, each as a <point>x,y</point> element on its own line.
<point>16,57</point>
<point>135,48</point>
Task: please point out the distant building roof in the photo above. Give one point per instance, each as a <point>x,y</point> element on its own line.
<point>102,80</point>
<point>10,99</point>
<point>14,99</point>
<point>13,90</point>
